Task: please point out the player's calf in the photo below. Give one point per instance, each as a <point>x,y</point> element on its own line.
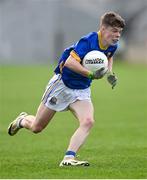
<point>36,129</point>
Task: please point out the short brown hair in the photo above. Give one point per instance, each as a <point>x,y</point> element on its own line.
<point>112,19</point>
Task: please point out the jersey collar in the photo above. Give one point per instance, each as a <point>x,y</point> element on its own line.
<point>100,41</point>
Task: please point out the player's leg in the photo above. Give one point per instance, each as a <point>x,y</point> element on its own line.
<point>39,122</point>
<point>44,113</point>
<point>33,123</point>
<point>83,110</point>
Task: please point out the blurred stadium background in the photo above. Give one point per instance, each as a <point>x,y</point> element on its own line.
<point>37,31</point>
<point>33,34</point>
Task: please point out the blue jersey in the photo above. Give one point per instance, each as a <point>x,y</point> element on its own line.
<point>88,43</point>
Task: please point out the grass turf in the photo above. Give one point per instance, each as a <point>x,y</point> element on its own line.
<point>116,147</point>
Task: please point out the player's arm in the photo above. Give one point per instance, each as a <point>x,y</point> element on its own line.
<point>110,64</point>
<point>74,64</point>
<point>111,77</point>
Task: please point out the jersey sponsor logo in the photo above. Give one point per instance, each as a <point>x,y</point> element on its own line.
<point>94,61</point>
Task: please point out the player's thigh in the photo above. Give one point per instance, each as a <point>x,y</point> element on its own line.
<point>43,116</point>
<point>82,110</point>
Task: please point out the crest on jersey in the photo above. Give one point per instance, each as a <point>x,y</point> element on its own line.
<point>108,54</point>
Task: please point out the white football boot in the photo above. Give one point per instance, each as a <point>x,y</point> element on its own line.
<point>14,126</point>
<point>73,162</point>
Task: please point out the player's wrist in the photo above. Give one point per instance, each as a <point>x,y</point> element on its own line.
<point>109,73</point>
<point>90,75</point>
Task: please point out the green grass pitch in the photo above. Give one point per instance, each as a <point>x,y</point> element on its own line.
<point>116,146</point>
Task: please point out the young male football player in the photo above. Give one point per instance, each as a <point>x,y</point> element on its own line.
<point>70,86</point>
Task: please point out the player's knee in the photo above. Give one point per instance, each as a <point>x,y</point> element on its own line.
<point>88,122</point>
<point>36,129</point>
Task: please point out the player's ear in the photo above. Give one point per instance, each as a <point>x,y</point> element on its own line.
<point>102,28</point>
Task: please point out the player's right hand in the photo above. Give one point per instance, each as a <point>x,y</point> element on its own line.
<point>98,74</point>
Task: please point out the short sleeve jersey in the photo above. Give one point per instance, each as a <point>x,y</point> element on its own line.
<point>90,42</point>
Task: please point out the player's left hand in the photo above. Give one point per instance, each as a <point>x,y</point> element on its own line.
<point>112,79</point>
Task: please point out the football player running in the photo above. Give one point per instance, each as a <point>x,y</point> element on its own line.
<point>69,88</point>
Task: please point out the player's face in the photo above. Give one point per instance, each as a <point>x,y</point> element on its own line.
<point>111,35</point>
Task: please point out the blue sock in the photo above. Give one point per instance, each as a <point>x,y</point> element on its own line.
<point>70,154</point>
